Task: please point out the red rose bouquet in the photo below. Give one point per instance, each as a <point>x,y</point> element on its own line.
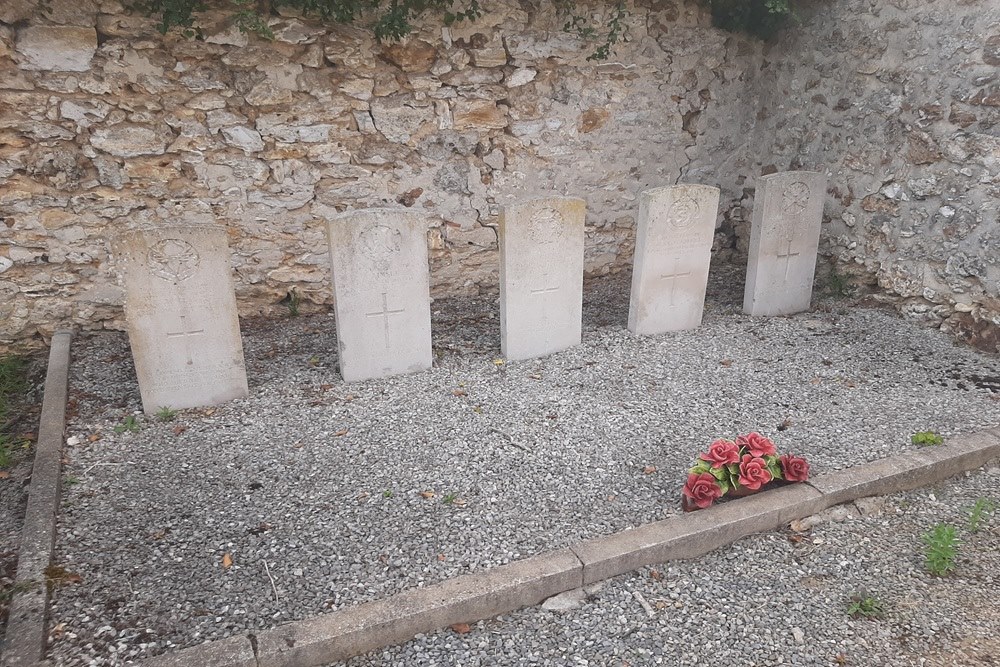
<point>747,463</point>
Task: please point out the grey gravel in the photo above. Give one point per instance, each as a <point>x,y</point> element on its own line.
<point>322,481</point>
<point>780,598</point>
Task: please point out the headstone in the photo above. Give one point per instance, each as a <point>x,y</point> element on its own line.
<point>784,239</point>
<point>382,292</point>
<point>673,249</point>
<point>180,309</point>
<point>541,276</point>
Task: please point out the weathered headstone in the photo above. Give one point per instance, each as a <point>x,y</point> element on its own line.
<point>673,249</point>
<point>541,276</point>
<point>180,310</point>
<point>381,291</point>
<point>784,238</point>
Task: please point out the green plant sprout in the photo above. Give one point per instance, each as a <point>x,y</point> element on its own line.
<point>865,605</point>
<point>128,424</point>
<point>941,549</point>
<point>980,513</point>
<point>926,439</point>
<point>165,414</point>
<point>294,301</point>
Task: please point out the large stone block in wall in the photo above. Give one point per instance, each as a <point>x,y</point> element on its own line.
<point>15,11</point>
<point>56,48</point>
<point>129,140</point>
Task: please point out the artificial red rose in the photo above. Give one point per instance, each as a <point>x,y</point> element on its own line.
<point>702,489</point>
<point>794,468</point>
<point>754,472</point>
<point>757,444</point>
<point>722,452</point>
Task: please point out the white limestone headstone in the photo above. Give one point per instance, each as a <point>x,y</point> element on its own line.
<point>784,239</point>
<point>541,276</point>
<point>382,292</point>
<point>180,310</point>
<point>673,250</point>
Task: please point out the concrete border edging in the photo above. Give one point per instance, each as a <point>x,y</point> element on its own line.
<point>25,637</point>
<point>343,634</point>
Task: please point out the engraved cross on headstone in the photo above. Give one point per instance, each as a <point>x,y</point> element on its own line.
<point>384,314</point>
<point>185,333</point>
<point>543,323</point>
<point>787,256</point>
<point>672,277</point>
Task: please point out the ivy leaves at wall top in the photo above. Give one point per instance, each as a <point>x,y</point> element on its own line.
<point>392,18</point>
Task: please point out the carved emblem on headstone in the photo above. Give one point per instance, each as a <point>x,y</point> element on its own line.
<point>795,198</point>
<point>683,212</point>
<point>546,226</point>
<point>378,244</point>
<point>173,259</point>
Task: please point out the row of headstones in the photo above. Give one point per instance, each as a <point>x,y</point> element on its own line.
<point>181,306</point>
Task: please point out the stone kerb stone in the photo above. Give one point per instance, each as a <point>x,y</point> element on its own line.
<point>180,309</point>
<point>784,239</point>
<point>381,288</point>
<point>541,276</point>
<point>673,250</point>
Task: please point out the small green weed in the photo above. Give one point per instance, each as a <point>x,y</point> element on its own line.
<point>13,378</point>
<point>13,382</point>
<point>71,480</point>
<point>942,547</point>
<point>980,513</point>
<point>838,285</point>
<point>6,455</point>
<point>165,414</point>
<point>388,493</point>
<point>865,605</point>
<point>926,439</point>
<point>7,594</point>
<point>128,424</point>
<point>449,498</point>
<point>293,302</point>
<point>314,360</point>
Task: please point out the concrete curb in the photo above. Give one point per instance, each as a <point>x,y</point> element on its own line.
<point>340,635</point>
<point>24,641</point>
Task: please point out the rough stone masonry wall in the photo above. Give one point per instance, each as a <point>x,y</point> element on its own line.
<point>106,124</point>
<point>900,101</point>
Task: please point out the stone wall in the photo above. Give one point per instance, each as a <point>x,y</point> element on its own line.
<point>899,101</point>
<point>105,124</point>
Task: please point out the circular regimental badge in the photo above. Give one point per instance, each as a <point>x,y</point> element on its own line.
<point>173,259</point>
<point>379,243</point>
<point>795,198</point>
<point>683,212</point>
<point>546,226</point>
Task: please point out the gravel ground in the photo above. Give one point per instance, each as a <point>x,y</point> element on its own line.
<point>779,598</point>
<point>347,493</point>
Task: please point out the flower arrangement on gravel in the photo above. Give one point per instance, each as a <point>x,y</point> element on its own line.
<point>739,467</point>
